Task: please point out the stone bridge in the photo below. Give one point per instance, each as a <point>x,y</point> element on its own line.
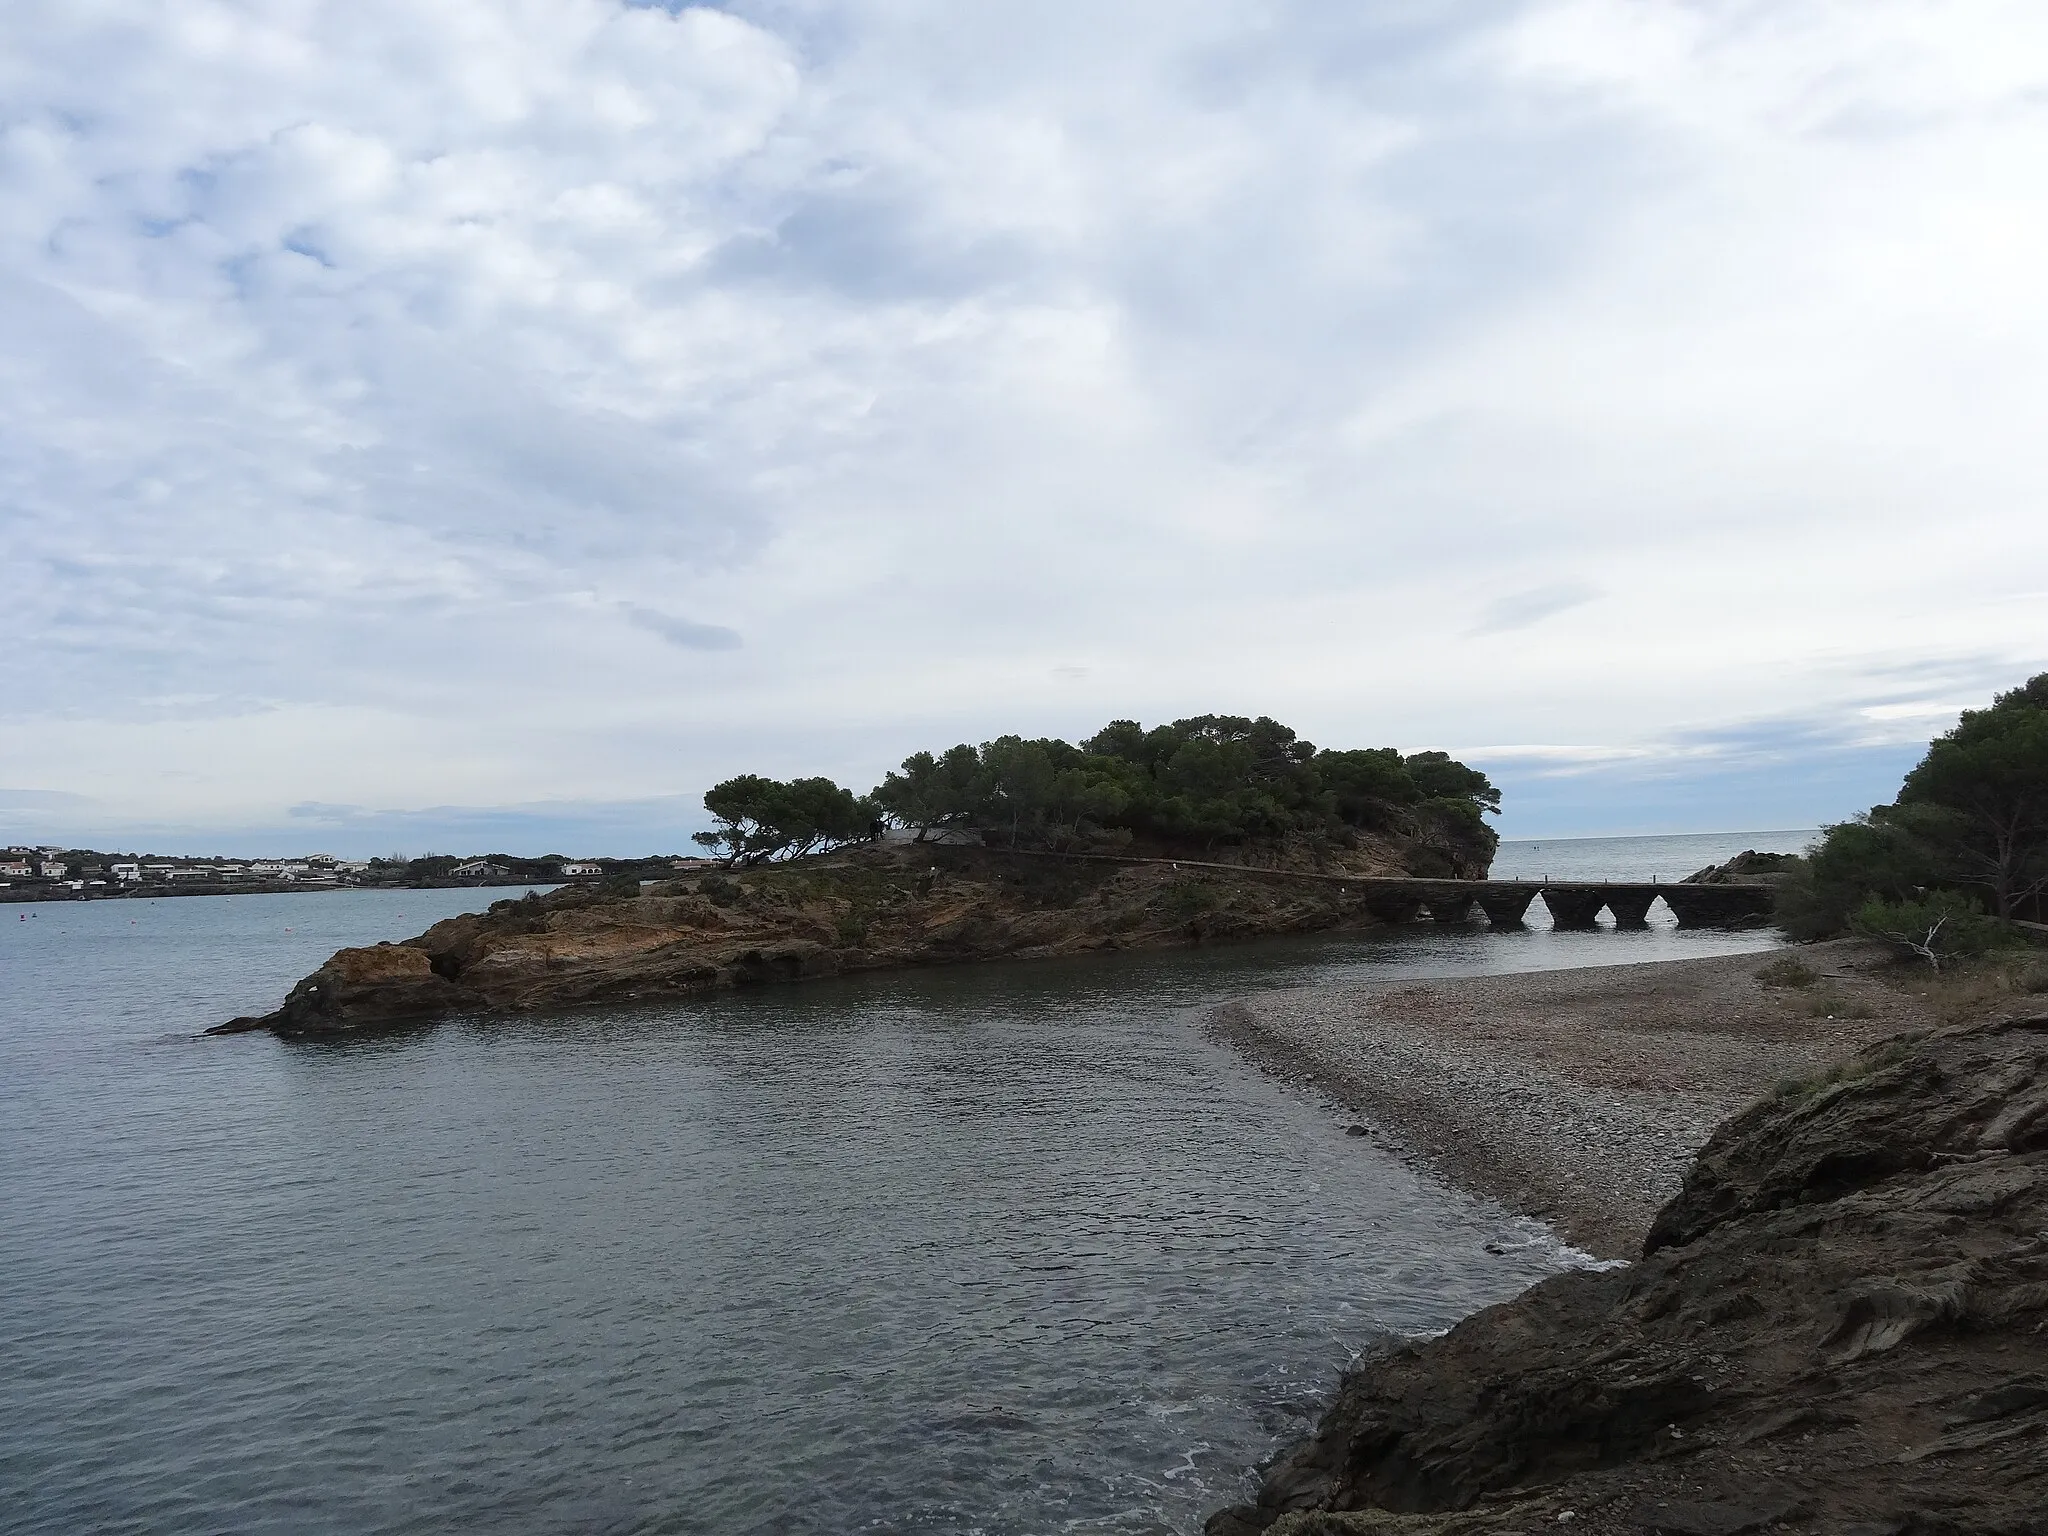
<point>1571,905</point>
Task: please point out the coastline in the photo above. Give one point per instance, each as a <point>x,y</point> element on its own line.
<point>47,896</point>
<point>1576,1096</point>
<point>871,909</point>
<point>1837,1321</point>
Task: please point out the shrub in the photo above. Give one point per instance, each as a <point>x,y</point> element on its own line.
<point>1939,927</point>
<point>1787,971</point>
<point>1855,1069</point>
<point>1874,855</point>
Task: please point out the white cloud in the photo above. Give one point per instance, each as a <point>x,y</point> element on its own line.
<point>1519,610</point>
<point>411,406</point>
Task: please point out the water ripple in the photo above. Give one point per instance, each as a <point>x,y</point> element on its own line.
<point>1006,1250</point>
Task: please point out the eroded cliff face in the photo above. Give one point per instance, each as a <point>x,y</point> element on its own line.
<point>1840,1324</point>
<point>868,909</point>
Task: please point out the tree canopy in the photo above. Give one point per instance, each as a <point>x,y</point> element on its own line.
<point>1979,799</point>
<point>757,819</point>
<point>1971,818</point>
<point>1208,781</point>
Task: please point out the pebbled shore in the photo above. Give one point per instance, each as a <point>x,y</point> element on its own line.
<point>1837,1323</point>
<point>1579,1096</point>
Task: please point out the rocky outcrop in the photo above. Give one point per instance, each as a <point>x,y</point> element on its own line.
<point>1840,1324</point>
<point>870,909</point>
<point>358,988</point>
<point>1748,868</point>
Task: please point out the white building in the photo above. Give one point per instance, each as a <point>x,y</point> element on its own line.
<point>53,869</point>
<point>23,870</point>
<point>571,871</point>
<point>476,867</point>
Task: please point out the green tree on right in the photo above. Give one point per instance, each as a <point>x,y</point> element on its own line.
<point>1962,851</point>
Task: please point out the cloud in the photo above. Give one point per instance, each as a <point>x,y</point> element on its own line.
<point>688,634</point>
<point>39,802</point>
<point>1739,776</point>
<point>368,364</point>
<point>1519,610</point>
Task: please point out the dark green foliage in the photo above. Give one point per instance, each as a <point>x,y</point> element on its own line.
<point>760,819</point>
<point>1211,779</point>
<point>932,792</point>
<point>1439,776</point>
<point>1368,787</point>
<point>1971,818</point>
<point>1982,794</point>
<point>1874,855</point>
<point>1189,898</point>
<point>1207,782</point>
<point>1939,927</point>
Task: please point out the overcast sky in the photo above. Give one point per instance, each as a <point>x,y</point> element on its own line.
<point>488,423</point>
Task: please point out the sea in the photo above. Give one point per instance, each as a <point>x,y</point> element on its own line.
<point>1010,1248</point>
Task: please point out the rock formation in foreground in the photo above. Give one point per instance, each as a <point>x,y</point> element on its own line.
<point>870,908</point>
<point>1839,1325</point>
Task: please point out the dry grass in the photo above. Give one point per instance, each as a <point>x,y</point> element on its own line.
<point>1995,984</point>
<point>1787,971</point>
<point>1853,1070</point>
<point>1828,1001</point>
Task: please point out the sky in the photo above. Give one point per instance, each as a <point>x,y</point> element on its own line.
<point>487,424</point>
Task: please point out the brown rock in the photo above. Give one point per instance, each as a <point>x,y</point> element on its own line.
<point>1841,1323</point>
<point>362,988</point>
<point>862,910</point>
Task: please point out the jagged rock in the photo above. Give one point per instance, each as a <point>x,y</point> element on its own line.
<point>869,909</point>
<point>1747,868</point>
<point>1840,1323</point>
<point>366,988</point>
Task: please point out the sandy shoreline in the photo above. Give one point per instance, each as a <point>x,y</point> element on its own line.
<point>1578,1096</point>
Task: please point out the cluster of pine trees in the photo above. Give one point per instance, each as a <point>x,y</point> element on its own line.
<point>1962,851</point>
<point>1208,782</point>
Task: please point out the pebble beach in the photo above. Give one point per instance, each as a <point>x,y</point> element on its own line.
<point>1576,1096</point>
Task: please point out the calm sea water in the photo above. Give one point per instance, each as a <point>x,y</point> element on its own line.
<point>1004,1249</point>
<point>1636,858</point>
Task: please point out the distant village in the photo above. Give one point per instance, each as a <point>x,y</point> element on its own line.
<point>73,874</point>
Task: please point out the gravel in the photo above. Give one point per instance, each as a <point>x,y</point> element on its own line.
<point>1577,1096</point>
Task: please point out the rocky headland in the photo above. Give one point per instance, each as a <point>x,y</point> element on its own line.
<point>872,907</point>
<point>1837,1322</point>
